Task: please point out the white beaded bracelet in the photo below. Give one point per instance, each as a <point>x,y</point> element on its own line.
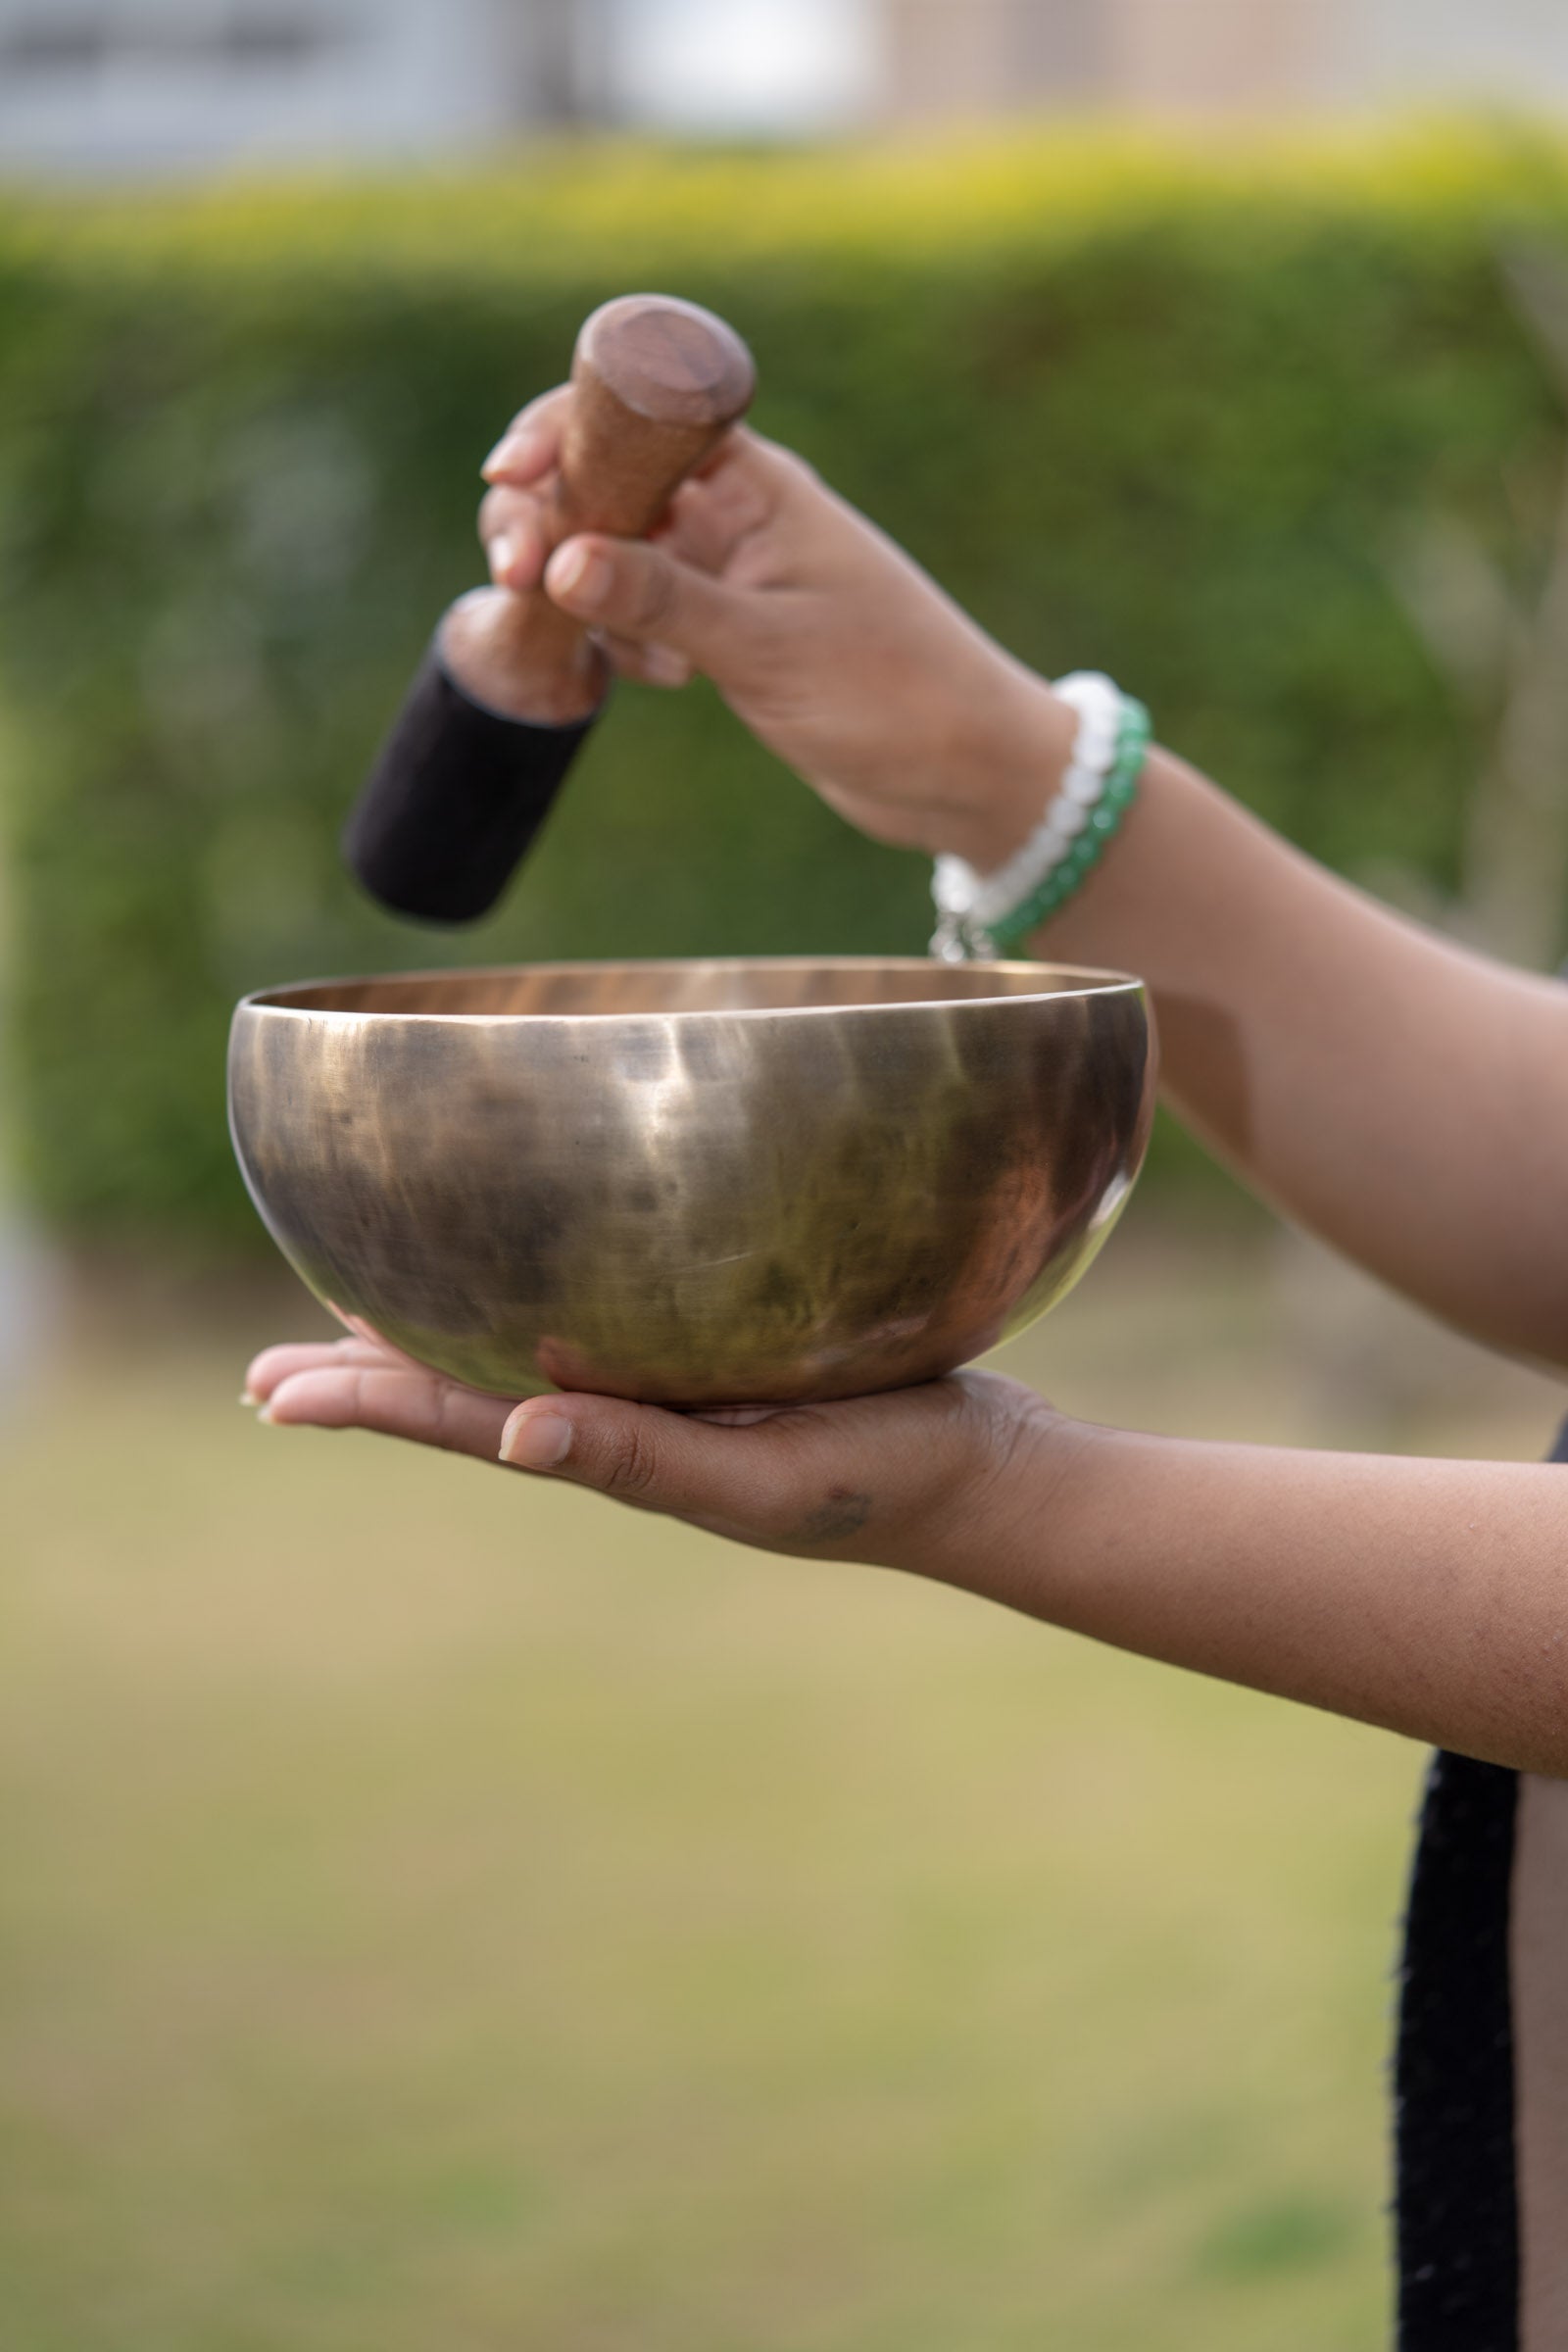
<point>971,906</point>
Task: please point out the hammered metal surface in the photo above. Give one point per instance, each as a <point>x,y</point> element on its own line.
<point>694,1182</point>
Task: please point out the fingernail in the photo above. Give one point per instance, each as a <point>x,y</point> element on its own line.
<point>536,1442</point>
<point>513,449</point>
<point>578,572</point>
<point>503,553</point>
<point>246,1398</point>
<point>266,1414</point>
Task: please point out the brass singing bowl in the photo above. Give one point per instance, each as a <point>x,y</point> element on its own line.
<point>695,1183</point>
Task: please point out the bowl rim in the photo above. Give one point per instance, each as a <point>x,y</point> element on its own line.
<point>1097,981</point>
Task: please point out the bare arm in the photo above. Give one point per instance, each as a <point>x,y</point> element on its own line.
<point>1429,1597</point>
<point>1402,1097</point>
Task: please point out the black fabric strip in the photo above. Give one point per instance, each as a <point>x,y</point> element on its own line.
<point>1457,2210</point>
<point>1457,2216</point>
<point>454,800</point>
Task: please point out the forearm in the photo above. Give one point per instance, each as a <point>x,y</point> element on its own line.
<point>1402,1097</point>
<point>1429,1597</point>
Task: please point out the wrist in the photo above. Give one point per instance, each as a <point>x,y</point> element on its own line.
<point>1008,773</point>
<point>995,913</point>
<point>978,1524</point>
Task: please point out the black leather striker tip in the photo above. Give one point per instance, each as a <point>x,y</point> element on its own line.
<point>454,800</point>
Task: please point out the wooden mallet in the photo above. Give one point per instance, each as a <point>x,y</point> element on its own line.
<point>459,790</point>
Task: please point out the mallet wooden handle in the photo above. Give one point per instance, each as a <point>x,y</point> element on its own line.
<point>655,383</point>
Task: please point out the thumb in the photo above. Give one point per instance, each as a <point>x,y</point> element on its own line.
<point>633,590</point>
<point>641,1454</point>
<point>871,1477</point>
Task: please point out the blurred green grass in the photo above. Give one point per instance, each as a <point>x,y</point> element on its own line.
<point>439,1911</point>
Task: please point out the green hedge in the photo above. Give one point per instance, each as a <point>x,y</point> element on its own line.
<point>1136,407</point>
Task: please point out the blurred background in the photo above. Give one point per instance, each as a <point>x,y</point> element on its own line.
<point>438,1913</point>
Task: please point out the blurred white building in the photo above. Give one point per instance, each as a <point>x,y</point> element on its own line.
<point>130,86</point>
<point>144,85</point>
<point>139,85</point>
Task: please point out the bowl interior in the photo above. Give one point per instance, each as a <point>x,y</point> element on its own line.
<point>788,984</point>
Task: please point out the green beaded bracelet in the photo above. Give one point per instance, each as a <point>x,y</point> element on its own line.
<point>1104,820</point>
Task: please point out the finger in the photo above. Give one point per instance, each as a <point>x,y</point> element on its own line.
<point>512,533</point>
<point>658,1460</point>
<point>763,471</point>
<point>865,1480</point>
<point>836,1481</point>
<point>650,664</point>
<point>265,1371</point>
<point>531,442</point>
<point>632,590</point>
<point>397,1403</point>
<point>736,495</point>
<point>746,491</point>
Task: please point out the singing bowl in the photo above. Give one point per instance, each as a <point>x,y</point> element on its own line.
<point>694,1182</point>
